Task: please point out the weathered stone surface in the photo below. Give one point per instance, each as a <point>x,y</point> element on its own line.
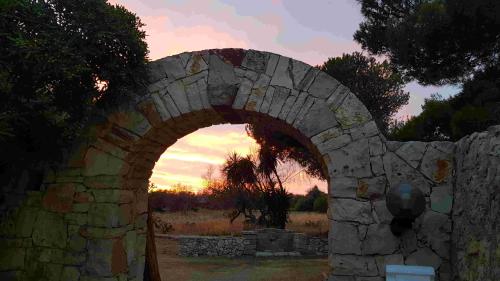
<point>382,261</point>
<point>350,210</point>
<point>435,228</point>
<point>49,230</point>
<point>377,165</point>
<point>323,86</point>
<point>334,143</point>
<point>353,265</point>
<point>379,240</point>
<point>243,93</point>
<point>351,160</point>
<point>442,199</point>
<point>99,261</point>
<point>424,257</point>
<point>295,109</point>
<point>257,93</point>
<point>376,146</point>
<point>412,152</point>
<point>381,213</point>
<point>281,76</point>
<point>222,82</point>
<point>342,238</point>
<point>195,64</point>
<point>352,113</point>
<point>319,118</point>
<point>408,242</point>
<point>398,172</point>
<point>109,215</point>
<point>298,71</point>
<point>371,188</point>
<point>280,94</point>
<point>59,198</point>
<point>100,163</point>
<point>366,130</point>
<point>343,187</point>
<point>255,60</point>
<point>437,165</point>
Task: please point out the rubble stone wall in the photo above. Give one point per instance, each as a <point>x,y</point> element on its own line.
<point>475,253</point>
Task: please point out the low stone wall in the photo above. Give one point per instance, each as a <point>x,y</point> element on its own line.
<point>193,246</point>
<point>273,242</point>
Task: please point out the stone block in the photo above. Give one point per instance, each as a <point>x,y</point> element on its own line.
<point>379,240</point>
<point>381,213</point>
<point>298,71</point>
<point>323,86</point>
<point>352,112</point>
<point>280,94</point>
<point>343,187</point>
<point>318,119</point>
<point>437,165</point>
<point>382,261</point>
<point>399,172</point>
<point>352,160</point>
<point>371,188</point>
<point>49,230</point>
<point>255,60</point>
<point>412,152</point>
<point>442,199</point>
<point>424,257</point>
<point>281,76</point>
<point>352,265</point>
<point>377,165</point>
<point>350,210</point>
<point>342,238</point>
<point>70,273</point>
<point>222,82</point>
<point>376,146</point>
<point>100,163</point>
<point>109,215</point>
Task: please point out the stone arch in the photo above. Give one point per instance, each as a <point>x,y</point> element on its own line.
<point>100,197</point>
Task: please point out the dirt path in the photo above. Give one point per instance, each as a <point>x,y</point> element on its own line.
<point>173,267</point>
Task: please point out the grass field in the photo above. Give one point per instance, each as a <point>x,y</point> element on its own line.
<point>215,222</point>
<point>173,267</point>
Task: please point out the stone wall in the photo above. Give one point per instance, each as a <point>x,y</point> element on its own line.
<point>476,210</point>
<point>248,244</point>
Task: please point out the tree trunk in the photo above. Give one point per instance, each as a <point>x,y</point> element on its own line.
<point>151,270</point>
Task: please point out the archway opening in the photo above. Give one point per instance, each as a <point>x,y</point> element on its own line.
<point>184,210</point>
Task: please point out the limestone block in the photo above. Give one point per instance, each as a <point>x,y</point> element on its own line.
<point>267,100</point>
<point>304,110</point>
<point>177,91</point>
<point>100,163</point>
<point>255,60</point>
<point>371,188</point>
<point>131,120</point>
<point>382,261</point>
<point>295,109</point>
<point>398,172</point>
<point>351,160</point>
<point>352,113</point>
<point>353,265</point>
<point>171,67</point>
<point>194,97</point>
<point>382,214</point>
<point>408,242</point>
<point>298,71</point>
<point>424,257</point>
<point>222,82</point>
<point>350,210</point>
<point>59,197</point>
<point>281,76</point>
<point>442,199</point>
<point>334,143</point>
<point>287,106</point>
<point>437,165</point>
<point>257,93</point>
<point>326,135</point>
<point>49,230</point>
<point>366,130</point>
<point>109,214</point>
<point>195,64</point>
<point>412,152</point>
<point>243,93</point>
<point>379,240</point>
<point>272,63</point>
<point>376,146</point>
<point>280,95</point>
<point>323,86</point>
<point>99,259</point>
<point>169,103</point>
<point>318,119</point>
<point>342,238</point>
<point>308,79</point>
<point>377,165</point>
<point>435,228</point>
<point>343,187</point>
<point>337,97</point>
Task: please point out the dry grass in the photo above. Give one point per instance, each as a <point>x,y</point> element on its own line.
<point>215,222</point>
<point>173,267</point>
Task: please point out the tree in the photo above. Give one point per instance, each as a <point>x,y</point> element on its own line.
<point>60,60</point>
<point>440,42</point>
<point>436,42</point>
<point>256,186</point>
<point>375,84</point>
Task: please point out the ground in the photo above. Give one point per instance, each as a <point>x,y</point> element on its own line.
<point>173,267</point>
<point>214,222</point>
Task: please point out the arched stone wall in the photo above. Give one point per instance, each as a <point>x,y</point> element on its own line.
<point>90,221</point>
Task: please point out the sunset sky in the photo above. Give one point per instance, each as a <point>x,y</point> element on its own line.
<point>309,31</point>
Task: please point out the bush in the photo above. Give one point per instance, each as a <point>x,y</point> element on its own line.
<point>321,204</point>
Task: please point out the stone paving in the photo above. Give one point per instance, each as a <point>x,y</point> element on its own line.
<point>89,220</point>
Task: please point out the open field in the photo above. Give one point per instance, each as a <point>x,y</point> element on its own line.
<point>214,222</point>
<point>173,267</point>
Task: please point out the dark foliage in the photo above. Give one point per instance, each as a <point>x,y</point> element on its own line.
<point>60,59</point>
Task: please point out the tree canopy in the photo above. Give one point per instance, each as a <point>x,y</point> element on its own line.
<point>60,59</point>
<point>440,42</point>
